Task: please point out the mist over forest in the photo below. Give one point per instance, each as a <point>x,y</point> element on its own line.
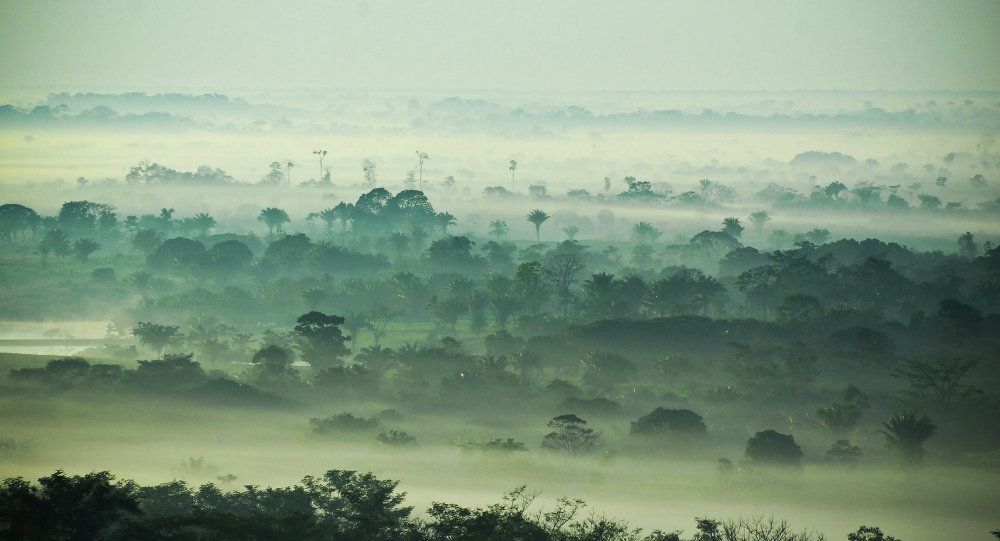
<point>468,301</point>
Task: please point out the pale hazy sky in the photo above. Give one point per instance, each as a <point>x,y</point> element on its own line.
<point>518,45</point>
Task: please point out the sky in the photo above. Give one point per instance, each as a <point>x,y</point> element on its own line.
<point>453,45</point>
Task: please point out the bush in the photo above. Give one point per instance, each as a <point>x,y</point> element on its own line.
<point>343,422</point>
<point>397,438</point>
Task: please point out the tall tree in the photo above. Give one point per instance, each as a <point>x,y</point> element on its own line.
<point>320,340</point>
<point>421,156</point>
<point>538,217</point>
<point>512,167</point>
<point>322,154</point>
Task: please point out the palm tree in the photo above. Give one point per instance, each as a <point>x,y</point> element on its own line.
<point>85,247</point>
<point>906,433</point>
<point>733,227</point>
<point>498,229</point>
<point>321,154</point>
<point>329,216</point>
<point>645,232</point>
<point>288,171</point>
<point>273,218</point>
<point>345,213</point>
<point>421,156</point>
<point>203,222</point>
<point>758,219</point>
<point>571,231</point>
<point>512,167</point>
<point>538,217</point>
<point>443,220</point>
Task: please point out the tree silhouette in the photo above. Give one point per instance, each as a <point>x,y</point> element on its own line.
<point>203,222</point>
<point>570,435</point>
<point>905,433</point>
<point>85,247</point>
<point>758,220</point>
<point>732,226</point>
<point>967,245</point>
<point>498,229</point>
<point>369,172</point>
<point>938,379</point>
<point>443,220</point>
<point>321,154</point>
<point>643,232</point>
<point>154,335</point>
<point>772,448</point>
<point>537,217</point>
<point>56,242</point>
<point>421,156</point>
<point>320,339</point>
<point>274,218</point>
<point>288,172</point>
<point>512,166</point>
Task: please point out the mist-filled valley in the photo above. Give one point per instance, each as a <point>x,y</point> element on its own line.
<point>461,272</point>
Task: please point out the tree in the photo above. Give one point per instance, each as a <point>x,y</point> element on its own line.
<point>905,433</point>
<point>320,340</point>
<point>444,220</point>
<point>929,201</point>
<point>662,421</point>
<point>562,266</point>
<point>56,242</point>
<point>358,506</point>
<point>537,217</point>
<point>758,220</point>
<point>274,218</point>
<point>757,284</point>
<point>228,257</point>
<point>938,379</point>
<point>155,336</point>
<point>570,435</point>
<point>204,223</point>
<point>530,286</point>
<point>85,247</point>
<point>871,533</point>
<point>967,246</point>
<point>178,253</point>
<point>512,166</point>
<point>275,176</point>
<point>843,453</point>
<point>274,361</point>
<point>345,213</point>
<point>732,226</point>
<point>770,448</point>
<point>834,189</point>
<point>321,154</point>
<point>421,156</point>
<point>369,172</point>
<point>17,219</point>
<point>571,231</point>
<point>645,232</point>
<point>288,172</point>
<point>498,229</point>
